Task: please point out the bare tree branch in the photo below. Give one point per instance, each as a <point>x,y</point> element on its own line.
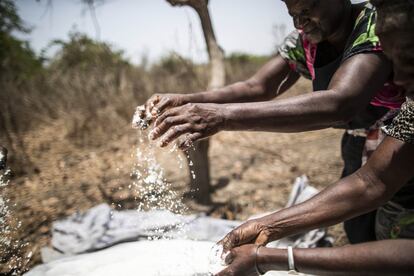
<point>201,185</point>
<point>196,4</point>
<point>215,53</point>
<point>92,10</point>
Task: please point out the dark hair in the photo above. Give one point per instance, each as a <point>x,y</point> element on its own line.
<point>379,3</point>
<point>394,5</point>
<point>395,14</point>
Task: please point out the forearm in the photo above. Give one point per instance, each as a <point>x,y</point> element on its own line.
<point>310,111</point>
<point>264,85</point>
<point>387,170</point>
<point>347,198</point>
<point>391,257</point>
<point>351,89</point>
<point>244,91</point>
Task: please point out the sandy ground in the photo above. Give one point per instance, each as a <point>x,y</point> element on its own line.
<point>251,173</point>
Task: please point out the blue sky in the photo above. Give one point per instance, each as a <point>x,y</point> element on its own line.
<point>153,27</point>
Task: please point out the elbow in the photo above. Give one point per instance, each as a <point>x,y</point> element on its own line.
<point>371,188</point>
<point>342,110</point>
<point>257,90</point>
<point>343,118</point>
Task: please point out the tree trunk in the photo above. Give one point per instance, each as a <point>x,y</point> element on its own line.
<point>200,184</point>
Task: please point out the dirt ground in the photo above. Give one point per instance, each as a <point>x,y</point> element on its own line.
<point>251,173</point>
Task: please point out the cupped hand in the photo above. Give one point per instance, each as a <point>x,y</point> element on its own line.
<point>189,122</point>
<point>241,261</point>
<point>158,103</point>
<point>253,231</point>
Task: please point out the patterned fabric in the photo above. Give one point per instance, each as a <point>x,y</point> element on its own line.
<point>293,51</point>
<point>301,55</point>
<point>374,135</point>
<point>402,127</point>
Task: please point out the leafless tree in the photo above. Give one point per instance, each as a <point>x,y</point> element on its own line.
<point>91,5</point>
<point>201,184</point>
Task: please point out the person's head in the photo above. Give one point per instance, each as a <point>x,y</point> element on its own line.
<point>395,29</point>
<point>318,19</point>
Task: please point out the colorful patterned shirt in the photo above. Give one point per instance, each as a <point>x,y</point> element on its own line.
<point>301,54</point>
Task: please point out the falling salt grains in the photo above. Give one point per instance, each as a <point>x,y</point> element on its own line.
<point>9,246</point>
<point>180,160</point>
<point>5,240</point>
<point>191,164</point>
<point>155,193</point>
<point>4,178</point>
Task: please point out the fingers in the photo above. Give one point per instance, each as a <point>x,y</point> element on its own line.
<point>173,133</point>
<point>167,114</point>
<point>140,111</point>
<point>165,122</point>
<point>231,240</point>
<point>228,260</point>
<point>225,272</point>
<point>249,232</point>
<point>171,127</point>
<point>229,270</point>
<point>188,141</point>
<point>158,104</point>
<point>151,104</point>
<point>162,105</point>
<point>229,257</point>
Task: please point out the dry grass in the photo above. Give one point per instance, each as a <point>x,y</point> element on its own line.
<point>71,145</point>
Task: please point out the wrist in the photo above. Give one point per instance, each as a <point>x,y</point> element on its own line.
<point>234,117</point>
<point>269,227</point>
<point>226,117</point>
<point>198,97</point>
<point>268,259</point>
<point>186,98</point>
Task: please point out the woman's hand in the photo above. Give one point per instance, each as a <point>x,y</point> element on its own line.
<point>191,121</point>
<point>241,261</point>
<point>253,231</point>
<point>158,103</point>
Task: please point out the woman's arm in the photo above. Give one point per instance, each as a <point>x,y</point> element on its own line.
<point>274,78</point>
<point>351,89</point>
<point>388,257</point>
<point>387,170</point>
<point>262,86</point>
<point>384,258</point>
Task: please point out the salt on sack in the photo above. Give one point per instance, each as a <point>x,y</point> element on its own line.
<point>217,259</point>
